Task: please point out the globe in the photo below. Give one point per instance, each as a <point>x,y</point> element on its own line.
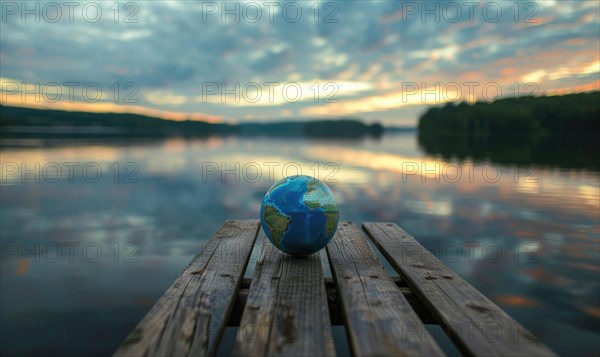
<point>299,215</point>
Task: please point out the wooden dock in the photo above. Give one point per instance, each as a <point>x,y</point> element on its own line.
<point>288,307</point>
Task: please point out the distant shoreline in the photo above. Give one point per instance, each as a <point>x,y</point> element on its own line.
<point>26,122</point>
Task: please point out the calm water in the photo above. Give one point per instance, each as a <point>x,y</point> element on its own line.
<point>85,256</point>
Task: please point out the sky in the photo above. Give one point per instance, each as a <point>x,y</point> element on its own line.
<point>240,61</point>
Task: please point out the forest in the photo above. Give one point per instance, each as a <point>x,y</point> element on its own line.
<point>551,130</point>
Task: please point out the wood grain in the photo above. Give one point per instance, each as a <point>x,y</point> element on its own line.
<point>190,317</point>
<point>286,310</point>
<point>477,325</point>
<point>379,320</point>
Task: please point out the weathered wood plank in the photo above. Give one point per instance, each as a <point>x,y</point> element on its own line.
<point>477,325</point>
<point>286,310</point>
<point>335,314</point>
<point>378,318</point>
<point>190,317</point>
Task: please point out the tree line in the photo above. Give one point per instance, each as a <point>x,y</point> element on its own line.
<point>554,130</point>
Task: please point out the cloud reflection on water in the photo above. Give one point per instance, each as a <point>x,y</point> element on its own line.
<point>547,232</point>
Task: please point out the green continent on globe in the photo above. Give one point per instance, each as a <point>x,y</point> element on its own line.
<point>312,204</point>
<point>331,215</point>
<point>331,224</point>
<point>327,207</point>
<point>330,207</point>
<point>311,186</point>
<point>278,222</point>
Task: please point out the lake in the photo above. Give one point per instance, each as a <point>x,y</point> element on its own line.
<point>93,231</point>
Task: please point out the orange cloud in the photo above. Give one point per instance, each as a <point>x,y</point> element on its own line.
<point>22,266</point>
<point>588,87</point>
<point>515,300</point>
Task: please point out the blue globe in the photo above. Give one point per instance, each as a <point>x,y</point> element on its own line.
<point>299,215</point>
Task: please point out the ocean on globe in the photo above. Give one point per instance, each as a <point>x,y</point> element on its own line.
<point>299,215</point>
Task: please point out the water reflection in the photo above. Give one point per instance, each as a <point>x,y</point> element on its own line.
<point>527,237</point>
<point>565,151</point>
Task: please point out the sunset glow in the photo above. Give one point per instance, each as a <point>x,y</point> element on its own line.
<point>382,60</point>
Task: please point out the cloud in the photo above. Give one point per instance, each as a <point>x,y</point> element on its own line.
<point>368,48</point>
<point>164,98</point>
<point>254,94</point>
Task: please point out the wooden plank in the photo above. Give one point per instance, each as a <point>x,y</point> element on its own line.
<point>190,317</point>
<point>379,320</point>
<point>477,325</point>
<point>286,310</point>
<point>335,314</point>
